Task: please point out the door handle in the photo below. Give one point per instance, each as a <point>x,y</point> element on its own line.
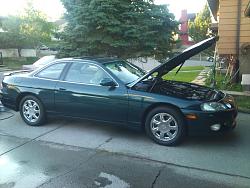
<point>62,89</point>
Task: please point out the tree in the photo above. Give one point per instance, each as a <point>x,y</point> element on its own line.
<point>12,37</point>
<point>1,22</point>
<point>198,29</point>
<point>122,28</point>
<point>36,27</point>
<point>28,30</point>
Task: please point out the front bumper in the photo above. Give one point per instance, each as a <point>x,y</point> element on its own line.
<point>202,125</point>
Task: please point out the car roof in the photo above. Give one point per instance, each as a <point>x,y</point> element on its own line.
<point>97,59</point>
<point>94,59</point>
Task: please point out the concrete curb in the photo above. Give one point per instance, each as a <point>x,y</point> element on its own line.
<point>237,93</point>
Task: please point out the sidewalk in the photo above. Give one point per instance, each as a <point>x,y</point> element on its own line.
<point>237,93</point>
<point>201,78</point>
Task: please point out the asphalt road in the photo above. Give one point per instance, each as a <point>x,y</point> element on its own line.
<point>77,153</point>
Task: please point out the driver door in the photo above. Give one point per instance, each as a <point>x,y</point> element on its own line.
<point>81,95</point>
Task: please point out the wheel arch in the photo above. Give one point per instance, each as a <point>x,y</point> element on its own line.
<point>156,105</point>
<point>24,94</point>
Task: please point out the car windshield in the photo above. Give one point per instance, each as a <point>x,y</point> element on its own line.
<point>125,71</point>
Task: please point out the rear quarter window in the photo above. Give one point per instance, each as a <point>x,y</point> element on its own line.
<point>52,72</point>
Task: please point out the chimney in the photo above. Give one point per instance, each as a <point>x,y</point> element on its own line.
<point>184,15</point>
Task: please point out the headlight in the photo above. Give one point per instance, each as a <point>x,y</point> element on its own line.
<point>213,106</point>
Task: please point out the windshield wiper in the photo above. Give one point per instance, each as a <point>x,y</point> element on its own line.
<point>179,68</point>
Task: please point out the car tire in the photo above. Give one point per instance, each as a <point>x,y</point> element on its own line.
<point>32,111</point>
<point>165,126</point>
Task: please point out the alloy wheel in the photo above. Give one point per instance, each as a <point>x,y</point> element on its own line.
<point>31,111</point>
<point>164,127</point>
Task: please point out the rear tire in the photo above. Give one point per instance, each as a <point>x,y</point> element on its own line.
<point>166,126</point>
<point>32,111</point>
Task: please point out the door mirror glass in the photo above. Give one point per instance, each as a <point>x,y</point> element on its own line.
<point>107,82</point>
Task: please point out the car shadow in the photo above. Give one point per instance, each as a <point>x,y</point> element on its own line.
<point>222,139</point>
<point>98,125</point>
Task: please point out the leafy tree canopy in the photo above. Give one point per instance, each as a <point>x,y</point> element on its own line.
<point>28,30</point>
<point>122,28</point>
<point>198,29</point>
<point>36,27</point>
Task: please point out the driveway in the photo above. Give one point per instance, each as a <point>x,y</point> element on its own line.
<point>77,153</point>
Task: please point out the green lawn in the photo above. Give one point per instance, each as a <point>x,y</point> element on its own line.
<point>184,76</point>
<point>243,103</point>
<point>221,83</point>
<point>16,63</point>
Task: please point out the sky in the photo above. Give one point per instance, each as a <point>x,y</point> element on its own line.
<point>54,8</point>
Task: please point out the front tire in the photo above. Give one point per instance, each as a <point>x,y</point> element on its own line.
<point>32,111</point>
<point>166,126</point>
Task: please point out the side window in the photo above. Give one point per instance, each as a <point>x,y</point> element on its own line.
<point>52,72</point>
<point>85,73</point>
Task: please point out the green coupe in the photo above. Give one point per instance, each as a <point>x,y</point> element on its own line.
<point>115,91</point>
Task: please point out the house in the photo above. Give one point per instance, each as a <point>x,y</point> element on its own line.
<point>233,22</point>
<point>184,37</point>
<point>247,11</point>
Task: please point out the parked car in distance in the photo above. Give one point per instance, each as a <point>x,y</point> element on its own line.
<point>218,59</point>
<point>39,63</point>
<point>43,47</point>
<point>115,91</point>
<point>29,68</point>
<point>210,59</point>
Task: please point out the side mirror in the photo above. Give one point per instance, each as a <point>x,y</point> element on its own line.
<point>107,82</point>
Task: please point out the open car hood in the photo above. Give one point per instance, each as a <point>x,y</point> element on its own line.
<point>164,68</point>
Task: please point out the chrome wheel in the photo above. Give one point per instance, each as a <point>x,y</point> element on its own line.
<point>31,111</point>
<point>164,126</point>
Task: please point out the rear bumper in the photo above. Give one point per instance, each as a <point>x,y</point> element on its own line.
<point>6,101</point>
<point>202,125</point>
<point>1,94</point>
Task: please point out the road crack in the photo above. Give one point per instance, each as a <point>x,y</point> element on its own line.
<point>157,176</point>
<point>105,142</point>
<point>78,166</point>
<point>30,140</point>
